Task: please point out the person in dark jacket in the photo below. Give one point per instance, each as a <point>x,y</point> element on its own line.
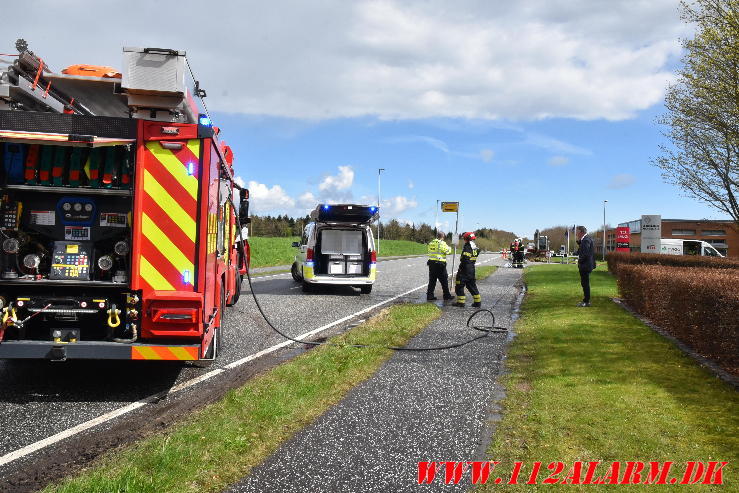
<point>466,273</point>
<point>585,262</point>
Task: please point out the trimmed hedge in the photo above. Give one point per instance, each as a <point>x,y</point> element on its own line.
<point>699,306</point>
<point>615,259</point>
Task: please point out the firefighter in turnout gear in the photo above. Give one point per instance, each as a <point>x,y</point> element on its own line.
<point>437,251</point>
<point>466,273</point>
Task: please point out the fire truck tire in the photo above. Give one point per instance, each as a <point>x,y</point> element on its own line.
<point>365,289</point>
<point>237,294</point>
<point>294,273</point>
<point>219,329</point>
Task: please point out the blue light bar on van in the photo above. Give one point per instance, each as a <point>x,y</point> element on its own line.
<point>326,207</point>
<point>373,209</point>
<point>204,120</point>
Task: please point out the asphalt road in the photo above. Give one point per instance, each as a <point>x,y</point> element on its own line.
<point>40,399</point>
<point>420,406</point>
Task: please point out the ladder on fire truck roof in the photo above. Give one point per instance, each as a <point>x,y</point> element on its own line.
<point>151,85</point>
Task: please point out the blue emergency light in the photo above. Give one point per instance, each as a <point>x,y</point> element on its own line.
<point>204,120</point>
<point>190,169</point>
<point>326,207</point>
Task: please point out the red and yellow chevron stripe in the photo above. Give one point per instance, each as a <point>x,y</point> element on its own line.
<point>177,353</point>
<point>168,217</point>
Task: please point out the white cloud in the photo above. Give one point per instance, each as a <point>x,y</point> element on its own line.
<point>269,199</point>
<point>337,183</point>
<point>622,180</point>
<point>240,181</point>
<point>487,155</point>
<point>558,161</point>
<point>307,200</point>
<point>585,59</point>
<point>397,205</point>
<point>411,185</point>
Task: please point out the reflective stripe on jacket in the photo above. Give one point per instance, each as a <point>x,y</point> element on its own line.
<point>438,250</point>
<point>469,253</point>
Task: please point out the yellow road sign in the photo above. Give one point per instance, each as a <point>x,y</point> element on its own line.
<point>450,206</point>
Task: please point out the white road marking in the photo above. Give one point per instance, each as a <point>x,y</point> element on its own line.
<point>69,432</point>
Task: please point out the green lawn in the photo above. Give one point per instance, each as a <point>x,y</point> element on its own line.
<point>484,271</point>
<point>220,444</point>
<point>595,384</point>
<point>266,252</point>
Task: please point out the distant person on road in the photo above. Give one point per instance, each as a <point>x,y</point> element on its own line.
<point>437,251</point>
<point>585,262</point>
<point>466,273</point>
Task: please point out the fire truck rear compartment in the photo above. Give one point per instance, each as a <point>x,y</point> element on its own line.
<point>65,241</point>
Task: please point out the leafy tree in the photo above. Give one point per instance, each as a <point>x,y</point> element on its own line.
<point>703,109</point>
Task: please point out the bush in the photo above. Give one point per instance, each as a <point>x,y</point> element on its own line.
<point>615,259</point>
<point>698,306</point>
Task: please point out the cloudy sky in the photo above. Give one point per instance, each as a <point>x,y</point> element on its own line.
<point>530,113</point>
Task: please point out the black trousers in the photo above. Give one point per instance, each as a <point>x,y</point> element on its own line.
<point>466,279</point>
<point>437,271</point>
<point>585,282</point>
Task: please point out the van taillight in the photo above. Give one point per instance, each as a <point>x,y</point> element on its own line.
<point>373,256</point>
<point>309,255</point>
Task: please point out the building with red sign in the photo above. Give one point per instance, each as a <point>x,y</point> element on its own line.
<point>723,235</point>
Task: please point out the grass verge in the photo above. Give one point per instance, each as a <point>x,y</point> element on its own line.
<point>595,384</point>
<point>220,444</point>
<point>267,251</point>
<point>484,271</point>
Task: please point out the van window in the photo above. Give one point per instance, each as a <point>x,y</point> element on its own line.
<point>709,251</point>
<point>692,248</point>
<point>306,234</point>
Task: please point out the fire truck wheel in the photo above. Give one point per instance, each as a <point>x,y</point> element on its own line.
<point>237,294</point>
<point>219,330</point>
<point>295,274</point>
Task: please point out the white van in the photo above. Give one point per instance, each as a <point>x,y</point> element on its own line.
<point>671,246</point>
<point>337,248</point>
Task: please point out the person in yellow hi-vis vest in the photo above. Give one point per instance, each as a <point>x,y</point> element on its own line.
<point>437,251</point>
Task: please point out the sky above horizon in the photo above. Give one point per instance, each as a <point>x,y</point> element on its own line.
<point>530,114</point>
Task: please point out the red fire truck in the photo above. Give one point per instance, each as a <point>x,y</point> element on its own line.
<point>119,215</point>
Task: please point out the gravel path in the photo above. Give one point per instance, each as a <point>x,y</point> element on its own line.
<point>437,405</point>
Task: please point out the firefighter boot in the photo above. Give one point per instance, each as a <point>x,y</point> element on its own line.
<point>477,301</point>
<point>460,301</point>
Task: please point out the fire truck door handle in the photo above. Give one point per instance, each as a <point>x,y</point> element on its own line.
<point>173,146</point>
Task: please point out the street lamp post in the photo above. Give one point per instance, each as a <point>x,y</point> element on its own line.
<point>604,229</point>
<point>436,218</point>
<point>379,221</point>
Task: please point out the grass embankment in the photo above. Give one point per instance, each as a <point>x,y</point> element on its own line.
<point>484,271</point>
<point>221,443</point>
<point>595,384</point>
<point>266,252</point>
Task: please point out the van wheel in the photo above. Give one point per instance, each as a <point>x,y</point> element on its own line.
<point>307,288</point>
<point>295,274</point>
<point>365,289</point>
